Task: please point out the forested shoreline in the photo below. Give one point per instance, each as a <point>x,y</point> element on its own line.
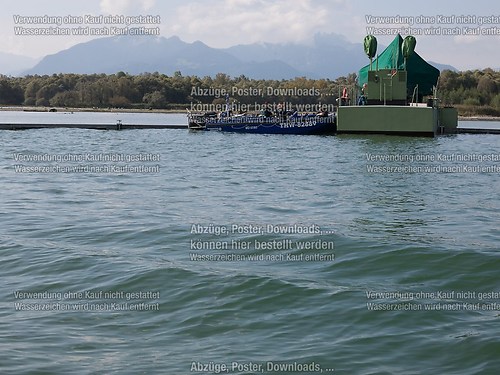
<point>475,93</point>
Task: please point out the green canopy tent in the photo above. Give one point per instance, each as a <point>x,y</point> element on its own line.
<point>418,70</point>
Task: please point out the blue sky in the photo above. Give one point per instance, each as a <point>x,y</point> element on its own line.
<point>222,23</point>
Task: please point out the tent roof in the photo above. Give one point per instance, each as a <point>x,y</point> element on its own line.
<point>419,71</point>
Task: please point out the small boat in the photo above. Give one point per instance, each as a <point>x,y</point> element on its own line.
<point>267,123</point>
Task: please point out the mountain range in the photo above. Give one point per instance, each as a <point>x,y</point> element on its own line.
<point>328,56</point>
<point>14,65</point>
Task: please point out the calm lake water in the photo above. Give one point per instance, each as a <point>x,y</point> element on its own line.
<point>170,252</point>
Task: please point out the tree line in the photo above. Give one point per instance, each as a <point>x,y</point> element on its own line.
<point>472,91</point>
<point>476,91</point>
<point>159,91</point>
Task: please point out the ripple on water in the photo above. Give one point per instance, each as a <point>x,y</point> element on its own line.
<point>132,232</point>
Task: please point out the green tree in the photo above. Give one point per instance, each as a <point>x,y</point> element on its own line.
<point>495,102</point>
<point>10,93</point>
<point>487,85</point>
<point>155,100</point>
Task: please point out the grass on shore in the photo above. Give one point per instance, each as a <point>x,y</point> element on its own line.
<point>465,110</point>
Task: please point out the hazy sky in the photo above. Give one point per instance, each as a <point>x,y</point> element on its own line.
<point>222,23</point>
